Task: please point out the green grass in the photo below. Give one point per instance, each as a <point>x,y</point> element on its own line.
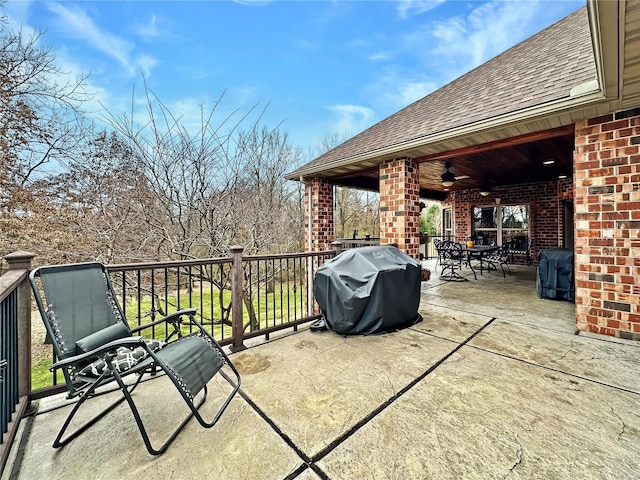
<point>208,309</point>
<point>41,376</point>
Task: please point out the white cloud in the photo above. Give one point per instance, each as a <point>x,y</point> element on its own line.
<point>149,31</point>
<point>17,12</point>
<point>408,8</point>
<point>469,39</point>
<point>442,50</point>
<point>396,87</point>
<point>380,56</point>
<point>146,63</point>
<point>76,23</point>
<point>351,118</point>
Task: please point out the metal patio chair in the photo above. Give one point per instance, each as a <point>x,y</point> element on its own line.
<point>521,245</point>
<point>498,257</point>
<point>95,347</point>
<point>437,244</point>
<point>452,259</point>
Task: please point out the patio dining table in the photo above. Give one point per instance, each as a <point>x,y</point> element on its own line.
<point>477,252</point>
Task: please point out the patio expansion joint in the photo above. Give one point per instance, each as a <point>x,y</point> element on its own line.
<point>307,462</point>
<point>552,369</point>
<point>395,397</point>
<point>276,429</point>
<point>472,312</point>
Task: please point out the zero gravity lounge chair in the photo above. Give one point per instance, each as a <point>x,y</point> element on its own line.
<point>94,347</point>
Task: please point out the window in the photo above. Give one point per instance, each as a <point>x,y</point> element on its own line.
<point>500,223</point>
<point>447,223</point>
<point>485,225</point>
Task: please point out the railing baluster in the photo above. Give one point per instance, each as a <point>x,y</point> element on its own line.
<point>259,310</point>
<point>293,272</point>
<point>139,295</point>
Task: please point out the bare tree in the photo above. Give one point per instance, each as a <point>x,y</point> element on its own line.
<point>191,174</point>
<point>40,116</point>
<point>107,193</point>
<point>266,210</point>
<point>41,124</point>
<point>220,185</point>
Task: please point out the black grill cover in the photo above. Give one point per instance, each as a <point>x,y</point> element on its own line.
<point>369,290</point>
<point>555,275</point>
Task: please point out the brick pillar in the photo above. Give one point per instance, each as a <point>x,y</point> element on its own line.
<point>318,196</point>
<point>607,230</point>
<point>399,212</point>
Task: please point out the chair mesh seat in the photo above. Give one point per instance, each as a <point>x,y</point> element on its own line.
<point>124,360</point>
<point>192,362</point>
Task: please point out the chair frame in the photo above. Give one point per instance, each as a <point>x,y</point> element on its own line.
<point>82,387</point>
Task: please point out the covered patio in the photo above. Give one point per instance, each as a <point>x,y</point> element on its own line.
<point>549,129</point>
<point>493,383</point>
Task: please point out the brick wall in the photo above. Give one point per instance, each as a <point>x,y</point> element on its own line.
<point>322,227</point>
<point>607,206</point>
<point>544,199</point>
<point>399,212</point>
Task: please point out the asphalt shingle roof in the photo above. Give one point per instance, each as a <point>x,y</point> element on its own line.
<point>541,69</point>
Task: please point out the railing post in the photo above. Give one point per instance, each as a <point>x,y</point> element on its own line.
<point>22,261</point>
<point>237,317</point>
<point>337,246</point>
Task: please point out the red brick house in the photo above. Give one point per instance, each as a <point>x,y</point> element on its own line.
<point>548,131</point>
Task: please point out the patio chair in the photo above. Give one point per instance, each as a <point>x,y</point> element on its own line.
<point>437,243</point>
<point>451,260</point>
<point>521,245</point>
<point>498,257</point>
<point>95,347</point>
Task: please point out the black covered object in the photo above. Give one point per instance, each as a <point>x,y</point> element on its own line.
<point>369,290</point>
<point>555,275</point>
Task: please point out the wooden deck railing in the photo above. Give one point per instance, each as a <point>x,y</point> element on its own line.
<point>15,348</point>
<point>238,298</point>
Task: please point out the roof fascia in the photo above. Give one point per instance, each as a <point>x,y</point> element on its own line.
<point>502,121</point>
<point>604,18</point>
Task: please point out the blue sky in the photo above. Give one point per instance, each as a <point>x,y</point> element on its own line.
<point>320,67</point>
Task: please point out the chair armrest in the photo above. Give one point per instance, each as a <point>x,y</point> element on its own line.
<point>130,342</point>
<point>173,318</point>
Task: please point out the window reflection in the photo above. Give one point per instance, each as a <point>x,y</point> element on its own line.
<point>515,216</point>
<point>499,224</point>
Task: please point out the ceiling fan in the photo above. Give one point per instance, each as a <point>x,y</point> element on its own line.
<point>449,177</point>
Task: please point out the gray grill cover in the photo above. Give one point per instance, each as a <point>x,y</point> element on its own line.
<point>369,290</point>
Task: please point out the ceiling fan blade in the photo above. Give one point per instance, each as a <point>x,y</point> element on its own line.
<point>462,177</point>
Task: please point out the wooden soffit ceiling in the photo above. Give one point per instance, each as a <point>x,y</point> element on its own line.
<point>542,156</point>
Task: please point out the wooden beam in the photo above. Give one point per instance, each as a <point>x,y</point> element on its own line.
<point>507,142</point>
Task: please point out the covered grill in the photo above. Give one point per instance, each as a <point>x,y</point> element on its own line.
<point>369,290</point>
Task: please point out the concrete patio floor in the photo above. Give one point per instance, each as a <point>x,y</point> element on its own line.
<point>493,383</point>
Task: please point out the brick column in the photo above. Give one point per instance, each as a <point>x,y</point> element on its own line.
<point>607,231</point>
<point>318,196</point>
<point>399,212</point>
